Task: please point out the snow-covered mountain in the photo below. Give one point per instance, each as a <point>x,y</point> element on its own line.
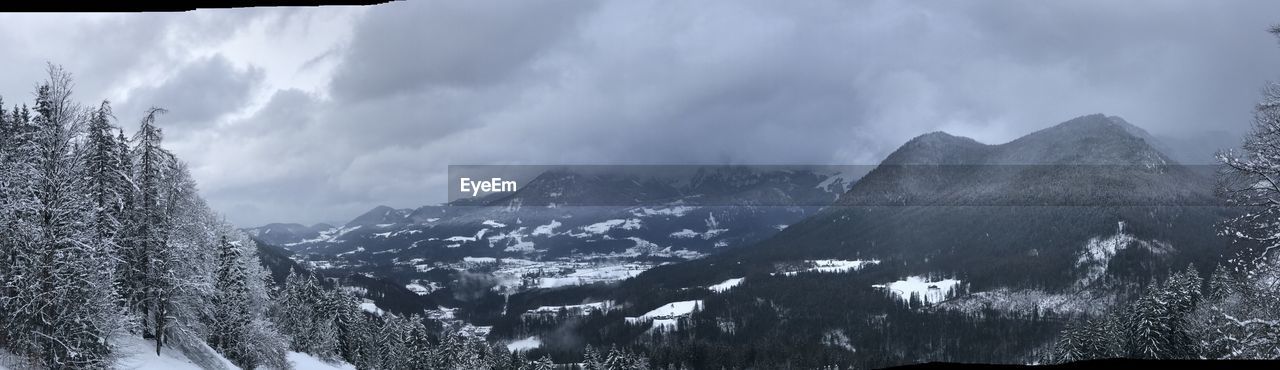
<point>279,233</point>
<point>1085,203</point>
<point>574,216</point>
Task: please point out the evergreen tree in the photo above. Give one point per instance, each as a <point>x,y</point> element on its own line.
<point>68,314</point>
<point>231,316</point>
<point>592,359</point>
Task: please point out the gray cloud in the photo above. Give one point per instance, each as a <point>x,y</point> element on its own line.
<point>199,93</point>
<point>374,111</point>
<point>425,44</point>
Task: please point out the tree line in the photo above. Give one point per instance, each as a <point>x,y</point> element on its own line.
<point>103,236</point>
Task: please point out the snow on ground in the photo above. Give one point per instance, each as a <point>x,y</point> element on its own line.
<point>648,248</point>
<point>602,227</point>
<point>668,315</point>
<point>685,234</point>
<point>302,361</point>
<point>524,344</point>
<point>513,272</point>
<point>600,274</point>
<point>834,266</point>
<point>326,235</point>
<point>370,307</point>
<point>1093,259</point>
<point>1026,300</point>
<point>354,251</point>
<point>479,234</point>
<point>420,289</point>
<point>604,306</point>
<point>928,291</point>
<point>492,223</point>
<point>138,353</point>
<point>442,313</point>
<point>845,180</point>
<point>837,338</point>
<point>548,229</point>
<point>676,211</point>
<point>514,241</point>
<point>726,285</point>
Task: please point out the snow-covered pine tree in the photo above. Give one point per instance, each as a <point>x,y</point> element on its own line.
<point>502,358</point>
<point>542,363</point>
<point>231,317</point>
<point>148,231</point>
<point>419,346</point>
<point>592,359</point>
<point>17,198</point>
<point>354,332</point>
<point>393,339</point>
<point>185,266</point>
<point>68,306</point>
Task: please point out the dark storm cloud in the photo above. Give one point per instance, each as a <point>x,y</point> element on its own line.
<point>423,44</point>
<point>199,93</point>
<point>375,109</point>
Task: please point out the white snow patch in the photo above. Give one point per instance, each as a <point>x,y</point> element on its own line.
<point>590,275</point>
<point>927,291</point>
<point>834,266</point>
<point>837,338</point>
<point>138,353</point>
<point>420,289</point>
<point>604,306</point>
<point>668,315</point>
<point>548,229</point>
<point>676,211</point>
<point>524,344</point>
<point>685,234</point>
<point>600,228</point>
<point>372,308</point>
<point>303,361</point>
<point>357,250</point>
<point>1093,260</point>
<point>844,180</point>
<point>725,285</point>
<point>494,224</point>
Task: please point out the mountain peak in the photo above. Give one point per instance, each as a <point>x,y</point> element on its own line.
<point>936,148</point>
<point>380,215</point>
<point>1099,123</point>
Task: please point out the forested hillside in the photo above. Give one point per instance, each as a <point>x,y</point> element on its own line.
<point>104,238</point>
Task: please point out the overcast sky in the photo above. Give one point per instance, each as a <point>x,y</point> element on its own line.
<point>309,115</point>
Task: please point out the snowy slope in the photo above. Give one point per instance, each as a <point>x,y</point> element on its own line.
<point>138,353</point>
<point>302,361</point>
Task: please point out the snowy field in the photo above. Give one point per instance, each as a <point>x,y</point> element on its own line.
<point>138,353</point>
<point>834,266</point>
<point>515,274</point>
<point>929,291</point>
<point>725,285</point>
<point>604,306</point>
<point>668,315</point>
<point>525,344</point>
